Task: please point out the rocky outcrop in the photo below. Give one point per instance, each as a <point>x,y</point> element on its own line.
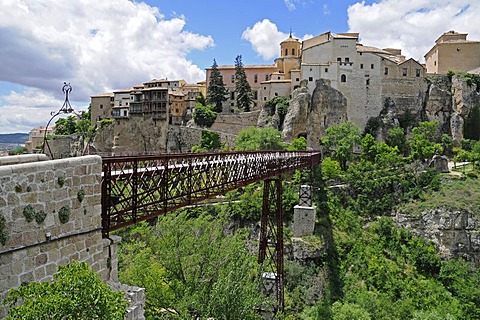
<point>465,97</point>
<point>455,233</point>
<point>297,115</point>
<point>133,135</point>
<point>438,105</point>
<point>328,108</point>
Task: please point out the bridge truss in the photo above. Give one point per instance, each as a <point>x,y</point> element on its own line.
<point>138,188</point>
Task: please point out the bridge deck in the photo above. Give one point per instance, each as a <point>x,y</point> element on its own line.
<point>137,188</point>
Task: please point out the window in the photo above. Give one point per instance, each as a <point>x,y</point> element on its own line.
<point>255,95</point>
<point>286,51</point>
<point>386,71</point>
<point>347,60</point>
<point>232,78</point>
<point>293,52</point>
<point>434,63</point>
<point>125,113</point>
<point>278,78</point>
<point>101,106</point>
<point>255,78</point>
<point>361,65</point>
<point>266,77</point>
<point>339,59</point>
<point>297,79</point>
<point>417,72</point>
<point>310,79</point>
<point>404,72</point>
<point>264,98</point>
<point>367,82</point>
<point>326,70</point>
<point>343,78</point>
<point>232,95</point>
<point>371,66</point>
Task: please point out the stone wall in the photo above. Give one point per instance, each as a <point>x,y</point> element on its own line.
<point>52,215</point>
<point>182,139</point>
<point>233,123</point>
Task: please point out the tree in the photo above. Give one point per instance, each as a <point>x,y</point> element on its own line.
<point>216,91</point>
<point>298,144</point>
<point>192,268</point>
<point>209,141</point>
<point>259,139</point>
<point>75,293</point>
<point>204,116</point>
<point>423,144</point>
<point>396,138</point>
<point>243,91</point>
<point>201,99</point>
<point>66,126</point>
<point>340,140</point>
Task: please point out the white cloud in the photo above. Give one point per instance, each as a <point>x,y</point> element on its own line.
<point>23,111</point>
<point>265,38</point>
<point>413,26</point>
<point>326,10</point>
<point>290,4</point>
<point>96,45</point>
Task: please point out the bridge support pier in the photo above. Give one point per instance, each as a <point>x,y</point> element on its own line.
<point>271,242</point>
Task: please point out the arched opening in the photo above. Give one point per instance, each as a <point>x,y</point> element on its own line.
<point>343,78</point>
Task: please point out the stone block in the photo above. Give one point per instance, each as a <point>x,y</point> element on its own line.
<point>41,259</point>
<point>303,221</point>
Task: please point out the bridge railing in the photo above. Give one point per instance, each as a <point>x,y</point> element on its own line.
<point>137,188</point>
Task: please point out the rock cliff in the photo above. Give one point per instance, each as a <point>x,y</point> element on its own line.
<point>452,101</point>
<point>455,233</point>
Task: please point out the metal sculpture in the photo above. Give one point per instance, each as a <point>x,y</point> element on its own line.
<point>65,109</point>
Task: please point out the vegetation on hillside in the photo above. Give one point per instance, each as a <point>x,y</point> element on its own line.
<point>76,292</point>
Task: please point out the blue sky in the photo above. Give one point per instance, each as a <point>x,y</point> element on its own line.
<point>101,46</point>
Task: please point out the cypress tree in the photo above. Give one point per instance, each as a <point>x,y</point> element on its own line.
<point>216,91</point>
<point>243,91</point>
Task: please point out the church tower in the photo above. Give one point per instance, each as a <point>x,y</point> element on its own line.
<point>290,52</point>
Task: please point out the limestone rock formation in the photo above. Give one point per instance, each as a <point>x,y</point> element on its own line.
<point>133,135</point>
<point>439,163</point>
<point>328,108</point>
<point>454,233</point>
<point>438,105</point>
<point>466,98</point>
<point>295,121</point>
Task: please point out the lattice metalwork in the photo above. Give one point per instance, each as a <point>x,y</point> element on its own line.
<point>137,188</point>
<point>270,253</point>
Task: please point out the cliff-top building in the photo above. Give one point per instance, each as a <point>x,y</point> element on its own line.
<point>453,52</point>
<point>159,99</point>
<point>365,75</point>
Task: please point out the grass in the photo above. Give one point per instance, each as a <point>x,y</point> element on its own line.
<point>457,193</point>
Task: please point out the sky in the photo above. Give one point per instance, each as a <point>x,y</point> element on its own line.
<point>104,45</point>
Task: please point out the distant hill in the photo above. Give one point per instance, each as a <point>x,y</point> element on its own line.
<point>14,138</point>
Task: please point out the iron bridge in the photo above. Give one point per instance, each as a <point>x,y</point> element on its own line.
<point>138,188</point>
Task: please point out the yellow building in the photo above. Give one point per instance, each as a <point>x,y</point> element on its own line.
<point>452,51</point>
<point>36,137</point>
<point>101,107</point>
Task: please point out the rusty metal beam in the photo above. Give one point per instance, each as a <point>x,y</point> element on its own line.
<point>138,188</point>
<point>270,253</point>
